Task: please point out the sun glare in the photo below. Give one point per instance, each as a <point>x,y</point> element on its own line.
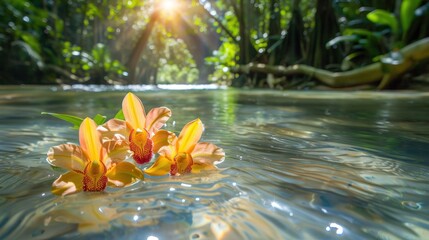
<point>169,5</point>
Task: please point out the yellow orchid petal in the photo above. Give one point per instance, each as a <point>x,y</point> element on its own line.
<point>124,174</point>
<point>163,138</point>
<point>68,183</point>
<point>168,151</point>
<point>114,129</point>
<point>90,140</point>
<point>198,167</point>
<point>141,146</point>
<point>68,156</point>
<point>183,164</point>
<point>156,118</point>
<point>134,111</point>
<point>161,167</point>
<point>94,179</point>
<point>207,153</point>
<point>189,136</point>
<point>117,150</point>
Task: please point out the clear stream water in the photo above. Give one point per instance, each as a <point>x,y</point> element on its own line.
<point>299,165</point>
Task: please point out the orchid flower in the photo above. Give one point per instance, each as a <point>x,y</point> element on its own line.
<point>94,164</point>
<point>139,128</point>
<point>184,154</point>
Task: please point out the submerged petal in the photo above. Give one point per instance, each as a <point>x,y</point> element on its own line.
<point>156,118</point>
<point>134,111</point>
<point>90,140</point>
<point>68,183</point>
<point>91,218</point>
<point>162,166</point>
<point>207,153</point>
<point>68,156</point>
<point>198,167</point>
<point>163,138</point>
<point>142,146</point>
<point>189,136</point>
<point>124,174</point>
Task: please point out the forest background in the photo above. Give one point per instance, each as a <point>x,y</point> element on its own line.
<point>287,44</point>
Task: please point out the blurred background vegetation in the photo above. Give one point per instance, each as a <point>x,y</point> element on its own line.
<point>207,41</point>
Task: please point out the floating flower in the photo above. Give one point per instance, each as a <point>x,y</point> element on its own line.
<point>184,154</point>
<point>140,129</point>
<point>94,164</point>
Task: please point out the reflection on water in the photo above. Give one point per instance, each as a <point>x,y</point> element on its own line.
<point>299,165</point>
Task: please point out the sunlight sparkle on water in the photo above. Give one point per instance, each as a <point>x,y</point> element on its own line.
<point>335,225</point>
<point>278,206</point>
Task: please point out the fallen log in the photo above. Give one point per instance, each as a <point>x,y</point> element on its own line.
<point>383,72</point>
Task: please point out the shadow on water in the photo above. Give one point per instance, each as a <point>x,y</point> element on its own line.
<point>299,165</point>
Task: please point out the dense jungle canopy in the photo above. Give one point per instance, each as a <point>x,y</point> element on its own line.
<point>258,43</point>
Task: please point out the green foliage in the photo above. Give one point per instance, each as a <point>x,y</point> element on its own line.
<point>244,28</point>
<point>408,8</point>
<point>76,121</point>
<point>101,60</point>
<point>223,59</point>
<point>99,119</point>
<point>406,17</point>
<point>168,60</point>
<point>91,41</point>
<point>386,31</point>
<point>69,35</point>
<point>22,24</point>
<point>89,64</point>
<point>200,23</point>
<point>120,115</point>
<point>383,17</point>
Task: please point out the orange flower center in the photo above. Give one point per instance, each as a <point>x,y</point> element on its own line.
<point>94,179</point>
<point>182,164</point>
<point>141,145</point>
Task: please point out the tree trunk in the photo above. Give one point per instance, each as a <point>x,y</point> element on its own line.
<point>294,44</point>
<point>274,33</point>
<point>139,48</point>
<point>247,51</point>
<point>325,29</point>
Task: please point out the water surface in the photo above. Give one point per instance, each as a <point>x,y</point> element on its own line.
<point>299,165</point>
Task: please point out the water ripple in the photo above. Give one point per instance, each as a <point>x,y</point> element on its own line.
<point>299,166</point>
